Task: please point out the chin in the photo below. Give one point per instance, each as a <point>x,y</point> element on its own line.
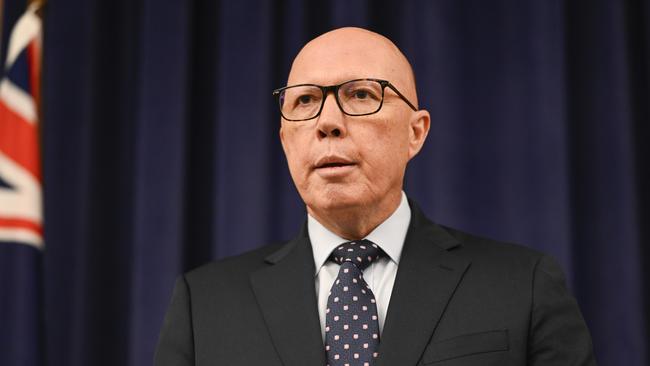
<point>337,199</point>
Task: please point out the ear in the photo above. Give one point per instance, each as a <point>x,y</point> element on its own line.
<point>282,140</point>
<point>418,131</point>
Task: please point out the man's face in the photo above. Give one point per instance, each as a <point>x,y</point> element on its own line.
<point>339,161</point>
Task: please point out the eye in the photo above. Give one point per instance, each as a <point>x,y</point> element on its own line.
<point>305,99</point>
<point>361,94</point>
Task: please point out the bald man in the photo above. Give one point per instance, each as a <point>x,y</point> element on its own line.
<point>369,280</point>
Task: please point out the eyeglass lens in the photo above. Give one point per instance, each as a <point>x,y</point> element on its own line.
<point>356,97</point>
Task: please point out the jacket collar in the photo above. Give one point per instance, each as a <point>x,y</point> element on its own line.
<point>427,277</point>
<point>286,294</point>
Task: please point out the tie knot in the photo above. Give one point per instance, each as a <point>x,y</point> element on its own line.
<point>360,252</point>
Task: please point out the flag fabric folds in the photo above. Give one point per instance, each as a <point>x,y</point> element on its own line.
<point>21,230</point>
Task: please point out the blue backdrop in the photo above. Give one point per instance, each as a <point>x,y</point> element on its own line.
<point>161,151</point>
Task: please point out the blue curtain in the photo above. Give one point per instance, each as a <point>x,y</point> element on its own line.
<point>161,149</point>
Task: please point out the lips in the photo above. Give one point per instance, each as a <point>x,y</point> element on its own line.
<point>333,162</point>
<point>333,165</point>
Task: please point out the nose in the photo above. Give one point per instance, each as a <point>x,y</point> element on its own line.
<point>330,122</point>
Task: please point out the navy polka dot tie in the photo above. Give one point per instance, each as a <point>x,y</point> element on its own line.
<point>351,322</point>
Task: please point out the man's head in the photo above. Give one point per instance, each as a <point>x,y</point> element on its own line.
<point>347,166</point>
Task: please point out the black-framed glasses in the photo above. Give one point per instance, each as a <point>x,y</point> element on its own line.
<point>359,97</point>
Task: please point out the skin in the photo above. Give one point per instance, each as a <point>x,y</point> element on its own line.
<point>369,154</point>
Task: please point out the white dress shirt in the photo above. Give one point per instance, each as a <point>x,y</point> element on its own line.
<point>380,275</point>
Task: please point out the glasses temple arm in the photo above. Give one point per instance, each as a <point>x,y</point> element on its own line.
<point>393,88</point>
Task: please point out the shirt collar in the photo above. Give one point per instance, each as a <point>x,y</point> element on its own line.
<point>389,235</point>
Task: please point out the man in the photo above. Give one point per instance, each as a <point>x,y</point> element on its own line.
<point>369,281</point>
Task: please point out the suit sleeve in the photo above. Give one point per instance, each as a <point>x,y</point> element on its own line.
<point>176,342</point>
<point>558,333</point>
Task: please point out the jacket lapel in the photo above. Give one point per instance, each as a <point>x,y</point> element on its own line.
<point>286,295</point>
<point>427,277</point>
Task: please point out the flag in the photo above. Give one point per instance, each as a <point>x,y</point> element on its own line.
<point>21,221</point>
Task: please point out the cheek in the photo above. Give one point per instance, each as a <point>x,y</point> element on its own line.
<point>387,159</point>
<point>296,154</point>
<point>386,145</point>
<point>294,162</point>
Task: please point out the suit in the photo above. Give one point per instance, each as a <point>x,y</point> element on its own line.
<point>457,300</point>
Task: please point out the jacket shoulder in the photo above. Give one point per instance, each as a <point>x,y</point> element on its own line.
<point>482,249</point>
<point>476,248</point>
<point>237,266</point>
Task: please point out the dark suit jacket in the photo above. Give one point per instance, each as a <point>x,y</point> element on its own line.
<point>457,300</point>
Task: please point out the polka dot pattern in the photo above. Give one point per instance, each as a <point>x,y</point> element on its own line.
<point>352,328</point>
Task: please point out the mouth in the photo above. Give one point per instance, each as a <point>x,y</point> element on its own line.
<point>334,166</point>
<point>330,162</point>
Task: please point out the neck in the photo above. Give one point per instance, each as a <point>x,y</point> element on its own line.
<point>356,222</point>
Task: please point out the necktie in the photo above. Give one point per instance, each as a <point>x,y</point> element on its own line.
<point>351,322</point>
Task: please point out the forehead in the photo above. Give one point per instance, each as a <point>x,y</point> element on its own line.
<point>335,59</point>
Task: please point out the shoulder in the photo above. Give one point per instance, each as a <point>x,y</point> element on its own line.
<point>231,270</point>
<point>494,256</point>
<point>479,247</point>
<point>509,262</point>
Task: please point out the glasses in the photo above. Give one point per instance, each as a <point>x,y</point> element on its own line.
<point>359,97</point>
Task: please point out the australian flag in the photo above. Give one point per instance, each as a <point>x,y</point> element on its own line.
<point>21,221</point>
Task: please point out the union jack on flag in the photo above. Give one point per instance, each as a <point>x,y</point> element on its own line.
<point>20,174</point>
